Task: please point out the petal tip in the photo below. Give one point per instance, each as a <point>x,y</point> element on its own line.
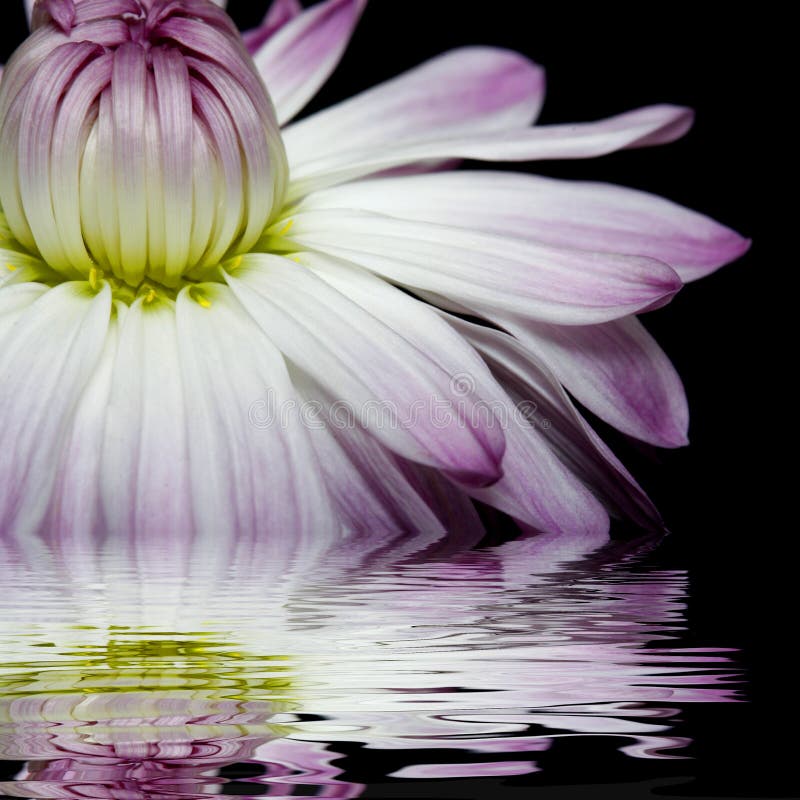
<point>736,246</point>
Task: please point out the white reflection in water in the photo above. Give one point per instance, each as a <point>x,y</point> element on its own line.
<point>130,676</point>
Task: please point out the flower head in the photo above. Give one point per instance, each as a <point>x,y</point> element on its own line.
<point>200,341</point>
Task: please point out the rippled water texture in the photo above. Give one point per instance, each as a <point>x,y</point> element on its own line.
<point>129,677</point>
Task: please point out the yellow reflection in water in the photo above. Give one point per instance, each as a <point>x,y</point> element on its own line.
<point>143,695</point>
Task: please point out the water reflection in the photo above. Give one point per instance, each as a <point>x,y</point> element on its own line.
<point>126,676</point>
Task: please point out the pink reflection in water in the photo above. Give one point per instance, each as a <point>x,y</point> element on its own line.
<point>495,653</point>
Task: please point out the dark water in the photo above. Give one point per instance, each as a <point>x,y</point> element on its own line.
<point>482,673</point>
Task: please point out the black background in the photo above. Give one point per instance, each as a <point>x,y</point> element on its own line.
<point>721,495</point>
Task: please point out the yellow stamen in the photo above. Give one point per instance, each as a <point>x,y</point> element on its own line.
<point>94,278</point>
<point>11,267</point>
<point>197,295</point>
<point>286,228</point>
<point>150,297</point>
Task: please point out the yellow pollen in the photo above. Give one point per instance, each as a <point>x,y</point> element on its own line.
<point>286,228</point>
<point>199,298</point>
<point>94,278</point>
<point>150,296</point>
<point>11,267</point>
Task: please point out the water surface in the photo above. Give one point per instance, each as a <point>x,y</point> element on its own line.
<point>135,678</point>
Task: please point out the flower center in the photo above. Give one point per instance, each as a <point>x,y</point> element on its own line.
<point>138,140</point>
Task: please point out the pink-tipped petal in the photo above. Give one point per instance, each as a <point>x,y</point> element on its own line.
<point>35,151</point>
<point>549,408</point>
<point>247,478</point>
<point>62,12</point>
<point>386,385</point>
<point>466,92</point>
<point>557,285</point>
<point>298,58</point>
<point>587,216</point>
<point>535,487</point>
<point>74,519</point>
<point>46,361</point>
<point>144,474</point>
<point>617,371</point>
<point>328,160</point>
<point>374,499</point>
<point>280,12</point>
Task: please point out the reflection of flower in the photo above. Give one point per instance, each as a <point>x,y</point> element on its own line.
<point>112,731</point>
<point>171,255</point>
<point>491,653</point>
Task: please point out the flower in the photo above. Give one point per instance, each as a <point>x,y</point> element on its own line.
<point>203,339</point>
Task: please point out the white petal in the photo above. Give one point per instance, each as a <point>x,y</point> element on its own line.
<point>469,91</point>
<point>248,477</point>
<point>144,473</point>
<point>331,160</point>
<point>618,371</point>
<point>298,58</point>
<point>483,271</point>
<point>570,214</point>
<point>46,361</point>
<point>374,497</point>
<point>14,300</point>
<point>535,487</point>
<point>386,384</point>
<point>550,408</point>
<point>74,519</point>
<point>279,14</point>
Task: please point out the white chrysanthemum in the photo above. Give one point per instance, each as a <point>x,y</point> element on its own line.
<point>199,340</point>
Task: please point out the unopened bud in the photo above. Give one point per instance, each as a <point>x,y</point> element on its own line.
<point>136,136</point>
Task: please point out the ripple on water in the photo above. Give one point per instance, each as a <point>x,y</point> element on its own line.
<point>131,681</point>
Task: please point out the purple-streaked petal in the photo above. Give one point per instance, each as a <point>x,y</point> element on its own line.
<point>298,58</point>
<point>62,12</point>
<point>535,388</point>
<point>74,520</point>
<point>535,487</point>
<point>571,214</point>
<point>326,159</point>
<point>128,103</point>
<point>377,496</point>
<point>562,286</point>
<point>617,370</point>
<point>472,91</point>
<point>388,386</point>
<point>144,474</point>
<point>280,12</point>
<point>227,366</point>
<point>173,148</point>
<point>46,360</point>
<point>35,150</point>
<point>261,165</point>
<point>70,135</point>
<point>465,91</point>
